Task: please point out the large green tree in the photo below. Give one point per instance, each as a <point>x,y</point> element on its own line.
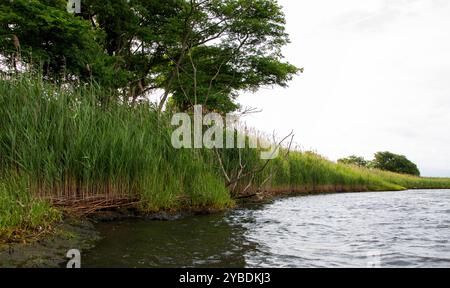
<point>226,47</point>
<point>139,33</point>
<point>395,163</point>
<point>42,34</point>
<point>198,52</point>
<point>189,51</point>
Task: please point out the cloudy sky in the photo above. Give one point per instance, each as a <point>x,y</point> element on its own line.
<point>377,77</point>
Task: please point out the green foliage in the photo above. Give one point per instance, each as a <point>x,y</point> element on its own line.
<point>411,181</point>
<point>81,139</point>
<point>47,37</point>
<point>244,54</point>
<point>354,160</point>
<point>69,145</point>
<point>199,52</point>
<point>395,163</point>
<point>138,34</point>
<point>311,172</point>
<point>20,211</point>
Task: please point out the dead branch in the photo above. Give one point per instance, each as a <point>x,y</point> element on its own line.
<point>263,167</point>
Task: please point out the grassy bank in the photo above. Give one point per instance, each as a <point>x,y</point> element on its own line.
<point>62,145</point>
<point>309,172</point>
<point>21,214</point>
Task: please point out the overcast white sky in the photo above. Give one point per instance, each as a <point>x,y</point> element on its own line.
<point>377,77</point>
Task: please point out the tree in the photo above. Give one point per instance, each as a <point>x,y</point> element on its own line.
<point>395,163</point>
<point>197,52</point>
<point>43,35</point>
<point>139,33</point>
<point>354,160</point>
<point>193,51</point>
<point>225,47</point>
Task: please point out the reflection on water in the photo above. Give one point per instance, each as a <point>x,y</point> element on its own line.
<point>200,241</point>
<point>389,229</point>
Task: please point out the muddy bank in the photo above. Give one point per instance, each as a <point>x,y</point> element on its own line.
<point>50,251</point>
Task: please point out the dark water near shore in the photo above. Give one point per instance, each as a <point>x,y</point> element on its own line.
<point>388,229</point>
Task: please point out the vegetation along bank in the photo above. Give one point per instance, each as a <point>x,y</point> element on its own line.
<point>78,133</point>
<point>60,150</point>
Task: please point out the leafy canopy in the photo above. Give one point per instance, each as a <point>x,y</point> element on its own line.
<point>43,34</point>
<point>386,161</point>
<point>194,52</point>
<point>395,163</point>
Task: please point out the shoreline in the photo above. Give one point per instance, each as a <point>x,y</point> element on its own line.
<point>49,250</point>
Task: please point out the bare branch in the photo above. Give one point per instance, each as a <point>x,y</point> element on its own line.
<point>222,166</point>
<point>263,167</point>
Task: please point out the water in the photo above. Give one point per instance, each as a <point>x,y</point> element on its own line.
<point>388,229</point>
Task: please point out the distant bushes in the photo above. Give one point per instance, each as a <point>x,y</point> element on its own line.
<point>386,161</point>
<point>355,160</point>
<point>394,163</point>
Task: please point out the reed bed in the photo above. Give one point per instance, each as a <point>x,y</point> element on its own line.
<point>71,145</point>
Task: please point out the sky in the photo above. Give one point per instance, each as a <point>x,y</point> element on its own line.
<point>377,78</point>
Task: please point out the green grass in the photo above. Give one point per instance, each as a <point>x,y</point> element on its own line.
<point>70,145</point>
<point>67,143</point>
<point>413,182</point>
<point>20,212</point>
<point>310,169</point>
<point>313,172</point>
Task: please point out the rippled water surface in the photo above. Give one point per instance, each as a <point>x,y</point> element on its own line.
<point>387,229</point>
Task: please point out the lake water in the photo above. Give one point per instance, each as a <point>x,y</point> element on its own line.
<point>384,229</point>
